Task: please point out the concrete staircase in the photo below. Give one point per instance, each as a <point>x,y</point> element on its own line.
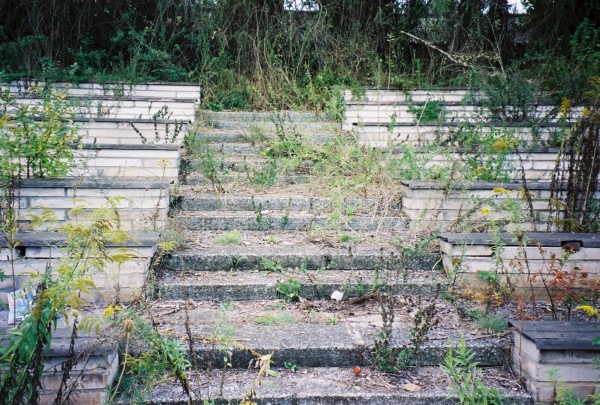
<point>258,275</point>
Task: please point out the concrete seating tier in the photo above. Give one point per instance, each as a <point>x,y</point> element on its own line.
<point>475,204</point>
<point>547,353</point>
<point>141,205</point>
<point>152,162</point>
<point>536,164</point>
<point>116,89</point>
<point>383,135</point>
<point>96,359</point>
<point>36,251</point>
<point>131,131</point>
<point>126,107</point>
<point>466,254</point>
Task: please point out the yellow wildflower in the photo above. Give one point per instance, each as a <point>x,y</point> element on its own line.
<point>108,312</point>
<point>501,145</point>
<point>486,210</point>
<point>585,112</point>
<point>588,309</point>
<point>565,106</point>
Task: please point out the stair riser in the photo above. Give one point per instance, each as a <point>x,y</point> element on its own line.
<point>247,292</point>
<point>338,356</point>
<point>233,136</point>
<point>281,222</point>
<point>273,203</point>
<point>246,262</point>
<point>267,126</point>
<point>199,180</point>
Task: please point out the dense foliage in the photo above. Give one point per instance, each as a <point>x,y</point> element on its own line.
<point>253,53</point>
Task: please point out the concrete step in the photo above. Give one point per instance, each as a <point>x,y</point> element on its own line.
<point>260,116</point>
<point>270,202</point>
<point>331,385</point>
<point>318,135</point>
<point>198,179</point>
<point>303,250</point>
<point>237,148</point>
<point>234,285</point>
<point>322,333</point>
<point>299,220</point>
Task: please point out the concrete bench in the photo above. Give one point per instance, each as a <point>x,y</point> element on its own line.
<point>563,349</point>
<point>471,205</point>
<point>125,108</point>
<point>141,205</point>
<point>466,254</point>
<point>146,162</point>
<point>36,251</point>
<point>131,131</point>
<point>384,134</point>
<point>535,163</point>
<point>117,89</point>
<point>96,365</point>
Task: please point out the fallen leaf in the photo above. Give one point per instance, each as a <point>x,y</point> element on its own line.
<point>412,387</point>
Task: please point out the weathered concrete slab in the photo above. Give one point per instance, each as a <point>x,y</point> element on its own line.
<point>299,255</point>
<point>265,202</point>
<point>243,220</point>
<point>328,385</point>
<point>232,284</point>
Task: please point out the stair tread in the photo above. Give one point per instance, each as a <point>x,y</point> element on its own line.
<point>326,327</point>
<point>316,386</point>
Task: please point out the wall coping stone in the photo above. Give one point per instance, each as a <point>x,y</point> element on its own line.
<point>474,185</point>
<point>547,239</point>
<point>117,98</point>
<point>126,146</point>
<point>78,182</point>
<point>494,124</point>
<point>560,335</point>
<point>453,149</point>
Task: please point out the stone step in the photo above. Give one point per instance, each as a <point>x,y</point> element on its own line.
<point>255,116</point>
<point>317,135</point>
<point>231,284</point>
<point>269,202</point>
<point>257,250</point>
<point>331,385</point>
<point>244,220</point>
<point>241,179</point>
<point>392,95</point>
<point>236,148</point>
<point>322,333</point>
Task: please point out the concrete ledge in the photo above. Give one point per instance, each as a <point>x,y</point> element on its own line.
<point>464,255</point>
<point>551,353</point>
<point>36,251</point>
<point>142,205</point>
<point>96,365</point>
<point>120,89</point>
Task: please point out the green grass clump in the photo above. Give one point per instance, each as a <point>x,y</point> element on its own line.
<point>278,318</point>
<point>491,322</point>
<point>229,238</point>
